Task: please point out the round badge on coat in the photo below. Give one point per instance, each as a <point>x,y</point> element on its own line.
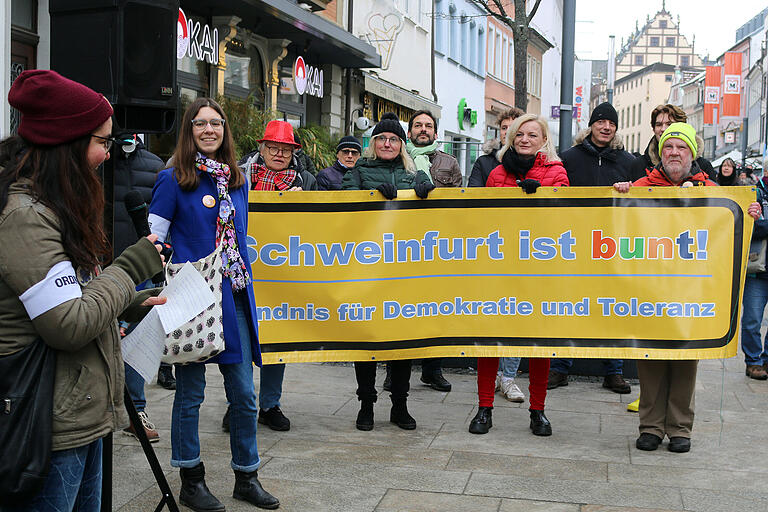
<point>209,201</point>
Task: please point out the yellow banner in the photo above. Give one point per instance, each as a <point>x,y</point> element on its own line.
<point>570,272</point>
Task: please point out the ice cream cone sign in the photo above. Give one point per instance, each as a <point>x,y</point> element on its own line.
<point>382,33</point>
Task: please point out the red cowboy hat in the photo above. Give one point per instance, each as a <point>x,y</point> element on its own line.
<point>279,131</point>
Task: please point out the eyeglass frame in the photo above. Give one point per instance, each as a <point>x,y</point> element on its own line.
<point>391,140</point>
<point>208,122</point>
<point>107,141</point>
<point>273,150</point>
<point>349,151</point>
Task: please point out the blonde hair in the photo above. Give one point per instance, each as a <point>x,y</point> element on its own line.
<point>370,153</point>
<point>548,148</point>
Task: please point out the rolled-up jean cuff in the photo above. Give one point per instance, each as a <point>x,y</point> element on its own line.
<point>185,463</point>
<point>246,469</point>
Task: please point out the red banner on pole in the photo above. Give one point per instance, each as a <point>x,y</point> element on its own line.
<point>732,85</point>
<point>711,94</point>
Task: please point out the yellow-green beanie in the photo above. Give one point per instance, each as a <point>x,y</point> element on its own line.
<point>682,131</point>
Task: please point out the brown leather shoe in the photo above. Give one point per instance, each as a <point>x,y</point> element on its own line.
<point>617,384</point>
<point>556,379</point>
<point>756,372</point>
<point>149,428</point>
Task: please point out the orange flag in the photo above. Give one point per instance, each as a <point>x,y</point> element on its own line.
<point>711,94</point>
<point>732,85</point>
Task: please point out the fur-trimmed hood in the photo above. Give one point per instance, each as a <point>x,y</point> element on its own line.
<point>491,146</point>
<point>616,143</point>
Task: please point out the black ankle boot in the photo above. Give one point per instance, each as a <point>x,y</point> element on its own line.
<point>399,414</point>
<point>482,422</point>
<point>248,488</point>
<point>365,416</point>
<point>195,494</point>
<point>540,424</point>
<point>165,377</point>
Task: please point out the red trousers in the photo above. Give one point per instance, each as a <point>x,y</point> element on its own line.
<point>537,387</point>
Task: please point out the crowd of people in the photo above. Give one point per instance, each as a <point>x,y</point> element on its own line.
<point>50,232</point>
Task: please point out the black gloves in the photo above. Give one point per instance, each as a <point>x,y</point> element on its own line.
<point>422,189</point>
<point>528,185</point>
<point>388,190</point>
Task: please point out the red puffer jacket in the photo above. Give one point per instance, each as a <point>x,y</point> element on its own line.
<point>549,174</point>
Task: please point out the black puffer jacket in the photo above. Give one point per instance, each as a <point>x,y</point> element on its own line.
<point>133,171</point>
<point>330,177</point>
<point>588,167</point>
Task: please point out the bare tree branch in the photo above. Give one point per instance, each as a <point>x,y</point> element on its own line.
<point>533,11</point>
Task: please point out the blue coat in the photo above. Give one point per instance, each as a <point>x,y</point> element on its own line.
<point>181,218</point>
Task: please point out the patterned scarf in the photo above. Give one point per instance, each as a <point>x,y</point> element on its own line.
<point>232,264</point>
<point>265,179</point>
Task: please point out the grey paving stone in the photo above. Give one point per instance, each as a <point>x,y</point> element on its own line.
<point>603,508</point>
<point>508,505</point>
<point>424,412</point>
<point>714,501</point>
<point>359,453</point>
<point>358,475</point>
<point>711,479</point>
<point>530,467</point>
<point>396,500</point>
<point>574,491</point>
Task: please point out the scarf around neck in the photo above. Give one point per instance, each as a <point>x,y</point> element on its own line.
<point>517,164</point>
<point>232,265</point>
<point>420,155</point>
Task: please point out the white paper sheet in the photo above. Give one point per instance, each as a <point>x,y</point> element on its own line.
<point>188,294</point>
<point>143,347</point>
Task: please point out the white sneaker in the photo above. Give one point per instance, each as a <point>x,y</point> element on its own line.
<point>510,390</point>
<point>498,382</point>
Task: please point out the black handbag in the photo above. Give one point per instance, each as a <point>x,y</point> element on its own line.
<point>26,418</point>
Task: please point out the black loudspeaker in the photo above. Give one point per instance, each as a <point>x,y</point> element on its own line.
<point>124,49</point>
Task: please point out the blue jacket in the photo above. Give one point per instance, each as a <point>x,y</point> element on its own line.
<point>330,177</point>
<point>181,218</point>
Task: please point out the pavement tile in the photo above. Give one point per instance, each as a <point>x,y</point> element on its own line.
<point>603,508</point>
<point>359,453</point>
<point>531,467</point>
<point>359,475</point>
<point>574,491</point>
<point>691,478</point>
<point>699,500</point>
<point>508,505</point>
<point>396,500</point>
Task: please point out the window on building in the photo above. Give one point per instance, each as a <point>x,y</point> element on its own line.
<point>639,112</point>
<point>662,23</point>
<point>633,116</point>
<point>439,29</point>
<point>480,51</point>
<point>511,62</point>
<point>685,60</point>
<point>638,60</point>
<point>472,46</point>
<point>464,40</point>
<point>454,34</point>
<point>497,53</point>
<point>667,78</point>
<point>534,76</point>
<point>504,70</point>
<point>654,41</point>
<point>490,56</point>
<point>670,41</point>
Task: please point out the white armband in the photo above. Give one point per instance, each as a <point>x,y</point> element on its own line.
<point>59,286</point>
<point>159,226</point>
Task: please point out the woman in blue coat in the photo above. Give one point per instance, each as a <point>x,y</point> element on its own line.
<point>198,204</point>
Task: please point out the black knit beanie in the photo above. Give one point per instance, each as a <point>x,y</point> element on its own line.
<point>349,142</point>
<point>604,111</point>
<point>389,123</point>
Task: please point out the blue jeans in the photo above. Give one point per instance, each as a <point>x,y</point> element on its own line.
<point>73,483</point>
<point>612,366</point>
<point>755,299</point>
<point>238,385</point>
<point>509,366</point>
<point>271,385</point>
<point>134,382</point>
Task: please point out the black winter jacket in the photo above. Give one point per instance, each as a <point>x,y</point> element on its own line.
<point>588,167</point>
<point>133,171</point>
<point>484,164</point>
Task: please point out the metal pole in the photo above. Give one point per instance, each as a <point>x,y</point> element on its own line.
<point>611,66</point>
<point>744,135</point>
<point>566,74</point>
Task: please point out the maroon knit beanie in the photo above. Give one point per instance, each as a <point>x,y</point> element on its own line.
<point>54,109</point>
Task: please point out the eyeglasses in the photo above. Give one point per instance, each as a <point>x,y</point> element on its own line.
<point>350,152</point>
<point>106,141</point>
<point>392,140</point>
<point>274,150</point>
<point>200,124</point>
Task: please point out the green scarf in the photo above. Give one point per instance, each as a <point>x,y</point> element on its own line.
<point>420,155</point>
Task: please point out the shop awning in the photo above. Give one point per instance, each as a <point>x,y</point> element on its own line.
<point>379,87</point>
<point>282,19</point>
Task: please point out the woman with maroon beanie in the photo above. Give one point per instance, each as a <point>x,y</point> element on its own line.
<point>528,160</point>
<point>53,291</point>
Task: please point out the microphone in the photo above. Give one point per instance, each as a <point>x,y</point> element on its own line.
<point>138,211</point>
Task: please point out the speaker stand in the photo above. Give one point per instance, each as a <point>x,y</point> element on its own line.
<point>162,483</point>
